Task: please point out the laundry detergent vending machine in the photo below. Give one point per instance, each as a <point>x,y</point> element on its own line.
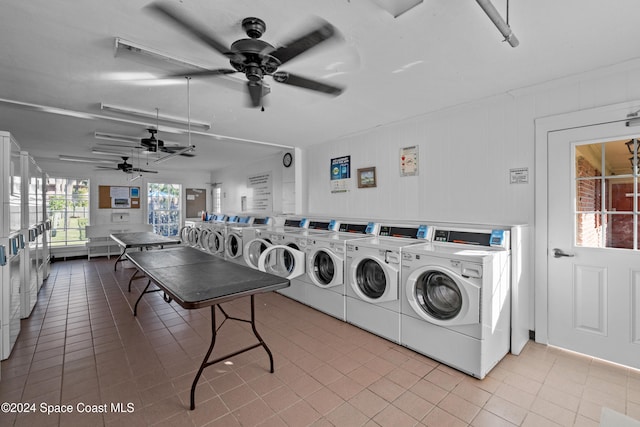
<point>12,239</point>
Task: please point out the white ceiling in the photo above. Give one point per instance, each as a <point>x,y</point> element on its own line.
<point>439,54</point>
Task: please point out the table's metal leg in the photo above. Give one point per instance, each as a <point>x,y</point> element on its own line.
<point>255,332</point>
<point>135,307</point>
<point>205,362</point>
<point>115,265</point>
<point>134,278</point>
<point>206,357</point>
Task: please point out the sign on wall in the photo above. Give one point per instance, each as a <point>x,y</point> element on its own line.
<point>409,161</point>
<point>340,174</point>
<point>260,193</point>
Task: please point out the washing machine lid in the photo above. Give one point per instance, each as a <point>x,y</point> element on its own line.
<point>442,297</point>
<point>373,279</point>
<point>283,261</point>
<point>252,251</point>
<point>325,268</point>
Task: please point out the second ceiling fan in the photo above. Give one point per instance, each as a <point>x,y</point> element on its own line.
<point>253,57</point>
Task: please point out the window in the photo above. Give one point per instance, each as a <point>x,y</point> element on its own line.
<point>217,200</point>
<point>607,194</point>
<point>164,201</point>
<point>68,208</point>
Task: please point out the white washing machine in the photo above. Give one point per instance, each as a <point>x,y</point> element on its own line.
<point>288,258</point>
<point>213,241</point>
<point>456,299</point>
<point>372,294</point>
<point>239,234</point>
<point>325,277</point>
<point>267,237</point>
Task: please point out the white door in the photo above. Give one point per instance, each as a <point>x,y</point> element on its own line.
<point>593,258</point>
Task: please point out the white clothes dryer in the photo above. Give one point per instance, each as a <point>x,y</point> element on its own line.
<point>238,235</point>
<point>455,305</point>
<point>325,278</point>
<point>372,295</point>
<point>267,237</point>
<point>287,258</point>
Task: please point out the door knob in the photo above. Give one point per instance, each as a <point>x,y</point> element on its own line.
<point>557,253</point>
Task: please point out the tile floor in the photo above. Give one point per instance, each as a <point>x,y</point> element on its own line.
<point>82,346</point>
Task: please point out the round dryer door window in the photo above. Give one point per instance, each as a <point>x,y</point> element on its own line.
<point>323,268</point>
<point>233,246</point>
<point>438,295</point>
<point>253,250</point>
<point>370,278</point>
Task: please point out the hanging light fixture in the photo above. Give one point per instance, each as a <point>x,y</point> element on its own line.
<point>190,147</point>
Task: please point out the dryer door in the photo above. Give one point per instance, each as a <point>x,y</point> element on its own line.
<point>442,297</point>
<point>184,233</point>
<point>214,243</point>
<point>203,235</point>
<point>283,261</point>
<point>253,250</point>
<point>325,268</point>
<point>193,236</point>
<point>374,280</point>
<point>233,245</point>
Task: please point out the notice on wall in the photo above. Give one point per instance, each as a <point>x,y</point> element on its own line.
<point>340,174</point>
<point>409,161</point>
<point>260,193</point>
<point>120,197</point>
<point>519,176</point>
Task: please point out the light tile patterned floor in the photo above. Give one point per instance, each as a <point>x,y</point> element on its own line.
<point>82,346</point>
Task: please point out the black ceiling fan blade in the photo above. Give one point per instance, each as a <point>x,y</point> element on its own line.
<point>205,73</point>
<point>140,170</point>
<point>303,82</point>
<point>255,93</point>
<point>290,50</point>
<point>192,27</point>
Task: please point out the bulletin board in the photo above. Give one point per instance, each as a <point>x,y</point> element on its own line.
<point>118,197</point>
<point>196,202</point>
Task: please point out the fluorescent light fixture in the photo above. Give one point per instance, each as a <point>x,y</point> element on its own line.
<point>122,153</point>
<point>398,7</point>
<point>83,159</point>
<point>135,177</point>
<point>118,138</point>
<point>175,153</point>
<point>153,115</point>
<point>133,47</point>
<point>497,20</point>
<point>633,122</point>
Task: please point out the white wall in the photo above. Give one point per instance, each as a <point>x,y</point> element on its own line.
<point>234,184</point>
<point>465,155</point>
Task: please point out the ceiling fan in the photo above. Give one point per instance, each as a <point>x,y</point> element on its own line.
<point>253,57</point>
<point>126,167</point>
<point>153,145</point>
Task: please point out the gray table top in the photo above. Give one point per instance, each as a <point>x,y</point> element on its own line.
<point>195,279</point>
<point>142,239</point>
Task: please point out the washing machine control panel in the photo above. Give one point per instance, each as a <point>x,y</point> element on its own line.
<point>492,238</point>
<point>421,232</point>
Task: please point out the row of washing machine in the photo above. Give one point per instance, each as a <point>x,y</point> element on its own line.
<point>367,274</point>
<point>443,291</point>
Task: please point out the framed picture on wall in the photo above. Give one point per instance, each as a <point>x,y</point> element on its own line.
<point>367,177</point>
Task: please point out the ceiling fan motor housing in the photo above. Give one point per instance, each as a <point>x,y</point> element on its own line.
<point>254,27</point>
